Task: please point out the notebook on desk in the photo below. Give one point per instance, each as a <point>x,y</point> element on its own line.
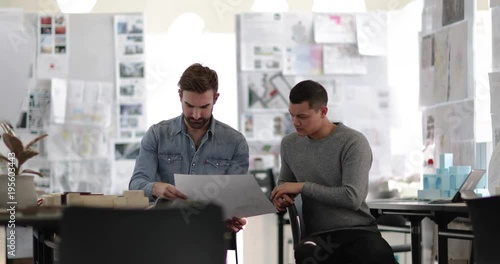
<point>466,190</point>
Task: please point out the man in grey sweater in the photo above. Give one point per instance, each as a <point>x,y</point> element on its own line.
<point>328,164</point>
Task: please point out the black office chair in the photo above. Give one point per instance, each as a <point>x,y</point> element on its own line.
<point>485,220</point>
<point>131,236</point>
<point>385,224</point>
<point>229,237</point>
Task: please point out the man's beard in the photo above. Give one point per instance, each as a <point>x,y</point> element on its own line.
<point>196,124</point>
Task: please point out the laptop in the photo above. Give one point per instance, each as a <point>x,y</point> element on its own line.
<point>466,190</point>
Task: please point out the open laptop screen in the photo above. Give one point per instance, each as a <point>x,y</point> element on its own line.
<point>466,190</point>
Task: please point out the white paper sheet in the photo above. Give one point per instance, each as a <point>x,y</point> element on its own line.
<point>371,30</point>
<point>343,59</point>
<point>334,28</point>
<point>457,42</point>
<point>239,195</point>
<point>260,33</point>
<point>58,101</point>
<point>77,142</point>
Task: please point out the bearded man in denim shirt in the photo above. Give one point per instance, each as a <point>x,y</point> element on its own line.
<point>192,143</point>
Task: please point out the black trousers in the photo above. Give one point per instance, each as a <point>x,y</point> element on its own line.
<point>344,247</point>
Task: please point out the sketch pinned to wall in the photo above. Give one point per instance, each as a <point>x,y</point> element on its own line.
<point>453,11</point>
<point>457,45</point>
<point>298,28</point>
<point>343,59</point>
<point>264,53</point>
<point>39,106</point>
<point>371,32</point>
<point>440,91</point>
<point>455,121</point>
<point>428,126</point>
<point>303,59</point>
<point>89,103</point>
<point>334,28</point>
<point>444,65</point>
<point>77,142</point>
<point>267,90</point>
<point>52,59</point>
<point>427,58</point>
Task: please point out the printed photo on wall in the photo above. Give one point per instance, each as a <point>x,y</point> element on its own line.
<point>132,70</point>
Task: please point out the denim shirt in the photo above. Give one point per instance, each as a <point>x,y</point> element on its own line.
<point>166,148</point>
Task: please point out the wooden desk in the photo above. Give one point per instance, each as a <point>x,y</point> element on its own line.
<point>415,211</point>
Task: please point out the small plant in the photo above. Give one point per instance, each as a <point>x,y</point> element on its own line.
<point>19,153</point>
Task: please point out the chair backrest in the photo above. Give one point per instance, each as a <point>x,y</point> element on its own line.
<point>486,228</point>
<point>131,236</point>
<point>164,203</point>
<point>265,179</point>
<point>296,221</point>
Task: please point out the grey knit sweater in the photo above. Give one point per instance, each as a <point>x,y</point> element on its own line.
<point>335,171</point>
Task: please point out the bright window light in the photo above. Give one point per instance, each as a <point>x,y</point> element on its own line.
<point>76,6</point>
<point>339,6</point>
<point>270,6</point>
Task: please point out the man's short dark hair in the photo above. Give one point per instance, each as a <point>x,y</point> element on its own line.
<point>310,91</point>
<point>198,78</point>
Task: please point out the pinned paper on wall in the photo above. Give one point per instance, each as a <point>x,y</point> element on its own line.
<point>334,28</point>
<point>266,90</point>
<point>263,53</point>
<point>371,32</point>
<point>298,28</point>
<point>495,34</point>
<point>53,46</point>
<point>256,126</point>
<point>131,79</point>
<point>343,59</point>
<point>89,103</point>
<point>303,59</point>
<point>77,142</point>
